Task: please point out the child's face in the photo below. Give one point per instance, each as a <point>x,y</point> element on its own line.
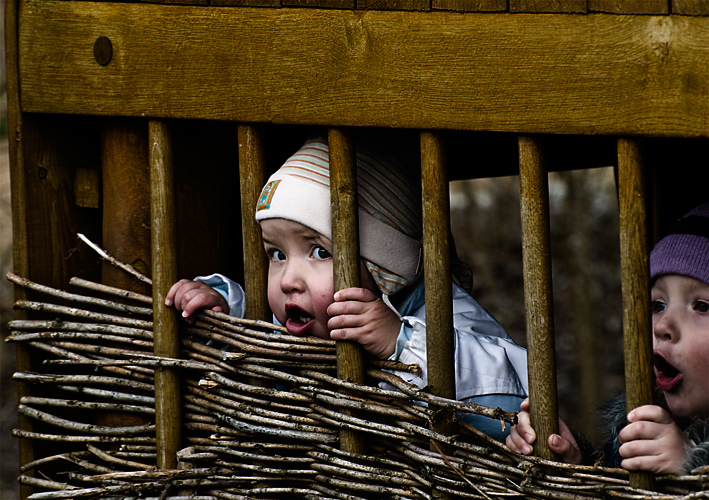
<point>680,319</point>
<point>300,276</point>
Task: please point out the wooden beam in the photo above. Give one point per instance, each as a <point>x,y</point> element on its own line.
<point>345,248</point>
<point>538,297</point>
<point>440,337</point>
<point>635,270</point>
<point>629,6</point>
<point>168,419</point>
<point>502,72</point>
<point>547,6</point>
<point>690,7</point>
<point>252,168</point>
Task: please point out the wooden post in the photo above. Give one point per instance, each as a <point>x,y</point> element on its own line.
<point>635,270</point>
<point>437,278</point>
<point>164,266</point>
<point>20,242</point>
<point>252,166</point>
<point>536,258</point>
<point>345,243</point>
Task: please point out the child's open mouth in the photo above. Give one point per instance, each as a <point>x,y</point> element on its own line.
<point>667,376</point>
<point>297,320</point>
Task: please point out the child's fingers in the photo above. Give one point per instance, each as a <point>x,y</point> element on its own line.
<point>522,435</point>
<point>639,448</point>
<point>170,297</point>
<point>639,430</point>
<point>651,413</point>
<point>524,405</point>
<point>567,450</point>
<point>358,294</point>
<point>653,462</point>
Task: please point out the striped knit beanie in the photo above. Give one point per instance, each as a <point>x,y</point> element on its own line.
<point>685,251</point>
<point>389,211</point>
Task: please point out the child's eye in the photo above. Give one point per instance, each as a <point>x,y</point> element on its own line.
<point>321,253</point>
<point>657,306</point>
<point>701,306</point>
<point>276,255</point>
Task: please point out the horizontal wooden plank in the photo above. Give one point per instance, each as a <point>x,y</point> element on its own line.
<point>591,74</point>
<point>545,6</point>
<point>691,7</point>
<point>470,5</point>
<point>630,6</point>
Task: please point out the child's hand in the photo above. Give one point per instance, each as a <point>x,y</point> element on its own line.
<point>191,296</point>
<point>522,437</point>
<point>359,315</point>
<point>653,442</point>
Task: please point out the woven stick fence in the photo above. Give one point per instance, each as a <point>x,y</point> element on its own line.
<point>277,439</point>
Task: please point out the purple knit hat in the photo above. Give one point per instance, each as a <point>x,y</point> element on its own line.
<point>685,251</point>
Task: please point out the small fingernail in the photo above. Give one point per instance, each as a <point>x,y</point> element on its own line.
<point>526,449</point>
<point>528,437</point>
<point>554,440</point>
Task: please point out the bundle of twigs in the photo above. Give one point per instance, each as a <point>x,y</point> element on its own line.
<point>261,415</point>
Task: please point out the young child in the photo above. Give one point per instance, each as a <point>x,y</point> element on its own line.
<point>671,437</point>
<point>386,314</point>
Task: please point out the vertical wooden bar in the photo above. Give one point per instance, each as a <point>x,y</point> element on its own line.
<point>536,258</point>
<point>635,270</point>
<point>436,261</point>
<point>345,243</point>
<point>440,343</point>
<point>252,166</point>
<point>18,192</point>
<point>164,266</point>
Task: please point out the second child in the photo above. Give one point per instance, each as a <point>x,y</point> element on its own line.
<point>672,436</point>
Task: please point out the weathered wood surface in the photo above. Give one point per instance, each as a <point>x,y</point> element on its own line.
<point>538,296</point>
<point>252,168</point>
<point>691,7</point>
<point>345,243</point>
<point>440,336</point>
<point>164,271</point>
<point>598,74</point>
<point>629,6</point>
<point>635,268</point>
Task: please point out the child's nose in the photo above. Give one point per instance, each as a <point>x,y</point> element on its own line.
<point>292,279</point>
<point>665,328</point>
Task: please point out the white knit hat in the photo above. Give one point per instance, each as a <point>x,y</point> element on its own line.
<point>389,211</point>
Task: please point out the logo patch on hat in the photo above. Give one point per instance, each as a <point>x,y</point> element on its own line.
<point>264,201</point>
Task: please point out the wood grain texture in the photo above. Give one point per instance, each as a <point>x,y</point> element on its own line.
<point>436,262</point>
<point>421,5</point>
<point>546,6</point>
<point>126,201</point>
<point>440,336</point>
<point>168,419</point>
<point>18,200</point>
<point>690,7</point>
<point>252,167</point>
<point>345,248</point>
<point>538,296</point>
<point>629,6</point>
<point>635,289</point>
<point>596,75</point>
<point>325,4</point>
<point>247,3</point>
<point>470,5</point>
